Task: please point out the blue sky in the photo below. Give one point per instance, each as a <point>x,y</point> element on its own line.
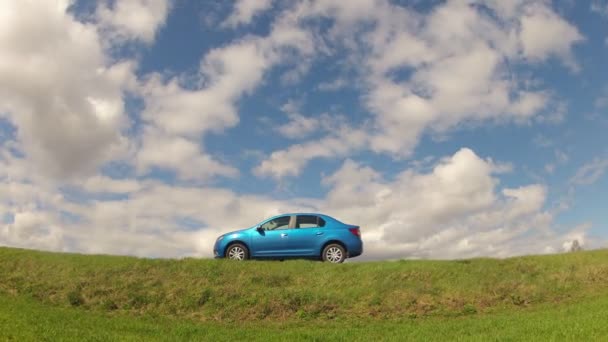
<point>446,129</point>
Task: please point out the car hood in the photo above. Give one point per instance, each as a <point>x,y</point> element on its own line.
<point>236,231</point>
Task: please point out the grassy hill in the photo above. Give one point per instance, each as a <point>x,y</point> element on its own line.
<point>556,294</point>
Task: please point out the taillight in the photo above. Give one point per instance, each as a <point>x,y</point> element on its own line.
<point>355,231</point>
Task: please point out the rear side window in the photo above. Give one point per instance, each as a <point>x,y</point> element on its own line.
<point>309,221</point>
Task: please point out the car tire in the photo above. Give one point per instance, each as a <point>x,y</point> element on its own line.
<point>334,253</point>
<point>238,252</point>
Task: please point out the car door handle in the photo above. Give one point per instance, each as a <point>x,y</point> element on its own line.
<point>319,233</point>
<point>283,234</point>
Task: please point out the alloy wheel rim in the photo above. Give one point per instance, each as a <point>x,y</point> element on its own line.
<point>236,253</point>
<point>334,254</point>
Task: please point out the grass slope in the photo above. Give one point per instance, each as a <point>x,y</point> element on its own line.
<point>52,294</point>
<point>28,320</point>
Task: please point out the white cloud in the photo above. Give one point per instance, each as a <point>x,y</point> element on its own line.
<point>601,101</point>
<point>126,20</point>
<point>143,221</point>
<point>542,141</point>
<point>334,85</point>
<point>291,161</point>
<point>176,118</point>
<point>591,172</point>
<point>63,93</point>
<point>59,89</point>
<point>299,126</point>
<point>600,7</point>
<point>454,210</point>
<point>434,72</point>
<point>245,10</point>
<point>554,113</point>
<point>458,74</point>
<point>560,158</point>
<point>544,33</point>
<point>104,184</point>
<point>179,154</point>
<point>181,116</point>
<point>32,229</point>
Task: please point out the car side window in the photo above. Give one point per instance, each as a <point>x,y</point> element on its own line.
<point>277,223</point>
<point>309,221</point>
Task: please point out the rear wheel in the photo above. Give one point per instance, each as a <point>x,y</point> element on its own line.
<point>334,253</point>
<point>237,252</point>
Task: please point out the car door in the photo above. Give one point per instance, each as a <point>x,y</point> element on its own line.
<point>306,238</point>
<point>270,240</point>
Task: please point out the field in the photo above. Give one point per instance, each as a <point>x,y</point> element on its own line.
<point>75,297</point>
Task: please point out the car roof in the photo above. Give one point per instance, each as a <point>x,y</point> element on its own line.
<point>327,218</point>
<point>292,214</point>
<point>319,214</point>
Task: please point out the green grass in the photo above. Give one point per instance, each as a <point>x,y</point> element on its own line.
<point>69,296</point>
<point>28,320</point>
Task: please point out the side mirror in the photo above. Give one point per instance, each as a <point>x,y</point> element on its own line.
<point>259,229</point>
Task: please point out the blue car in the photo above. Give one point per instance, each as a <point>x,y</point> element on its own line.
<point>301,235</point>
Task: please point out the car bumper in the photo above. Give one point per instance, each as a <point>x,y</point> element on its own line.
<point>355,250</point>
<point>217,250</point>
<point>216,253</point>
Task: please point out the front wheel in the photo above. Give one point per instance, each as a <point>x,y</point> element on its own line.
<point>334,253</point>
<point>237,252</point>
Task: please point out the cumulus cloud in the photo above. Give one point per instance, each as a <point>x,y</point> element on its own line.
<point>601,102</point>
<point>245,10</point>
<point>123,216</point>
<point>590,172</point>
<point>600,7</point>
<point>126,20</point>
<point>334,85</point>
<point>456,209</point>
<point>433,72</point>
<point>341,142</point>
<point>544,33</point>
<point>301,126</point>
<point>59,89</point>
<point>457,57</point>
<point>181,155</point>
<point>104,184</point>
<point>560,159</point>
<point>183,115</point>
<point>228,73</point>
<point>62,95</point>
<point>32,229</point>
